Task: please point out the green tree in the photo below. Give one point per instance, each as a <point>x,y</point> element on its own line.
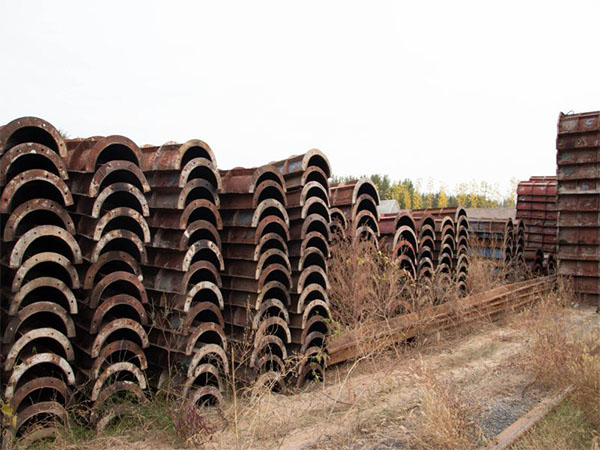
<point>384,186</point>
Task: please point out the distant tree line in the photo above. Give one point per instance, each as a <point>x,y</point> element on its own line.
<point>411,195</point>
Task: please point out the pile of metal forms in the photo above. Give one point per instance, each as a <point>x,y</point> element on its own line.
<point>399,238</point>
<point>182,274</point>
<point>452,243</point>
<point>39,279</point>
<point>536,207</point>
<point>308,207</point>
<point>354,210</point>
<point>109,212</point>
<point>429,244</point>
<point>578,204</point>
<point>258,278</point>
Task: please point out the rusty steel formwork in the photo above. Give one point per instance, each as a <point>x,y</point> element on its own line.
<point>428,244</point>
<point>309,210</point>
<point>444,251</point>
<point>536,207</point>
<point>257,279</point>
<point>38,280</point>
<point>452,241</point>
<point>182,274</point>
<point>109,213</point>
<point>463,249</point>
<point>354,207</point>
<point>400,237</point>
<point>578,202</point>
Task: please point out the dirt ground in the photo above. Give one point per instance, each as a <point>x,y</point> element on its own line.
<point>373,403</point>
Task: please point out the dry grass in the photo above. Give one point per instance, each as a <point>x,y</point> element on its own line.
<point>446,419</point>
<point>366,285</point>
<point>559,356</point>
<point>565,428</point>
<point>486,273</point>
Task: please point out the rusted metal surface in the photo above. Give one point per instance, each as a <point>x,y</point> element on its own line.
<point>118,218</point>
<point>31,130</point>
<point>196,210</point>
<point>427,243</point>
<point>198,168</point>
<point>39,276</point>
<point>355,206</point>
<point>37,312</point>
<point>577,159</point>
<point>536,207</point>
<point>314,222</point>
<point>43,238</point>
<point>297,165</point>
<point>245,181</point>
<point>30,213</point>
<point>179,198</point>
<point>86,155</point>
<point>29,185</point>
<point>113,196</point>
<point>173,156</point>
<point>28,156</point>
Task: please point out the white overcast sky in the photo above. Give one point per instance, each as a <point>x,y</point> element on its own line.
<point>444,90</point>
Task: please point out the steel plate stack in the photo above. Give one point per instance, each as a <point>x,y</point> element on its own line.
<point>578,145</point>
<point>536,207</point>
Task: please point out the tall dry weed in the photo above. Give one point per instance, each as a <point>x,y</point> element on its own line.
<point>486,273</point>
<point>446,419</point>
<point>366,285</point>
<point>558,356</point>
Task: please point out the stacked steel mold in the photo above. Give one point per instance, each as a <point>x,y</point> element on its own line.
<point>461,268</point>
<point>357,201</point>
<point>536,207</point>
<point>188,346</point>
<point>109,211</point>
<point>426,247</point>
<point>387,223</point>
<point>39,276</point>
<point>405,245</point>
<point>308,206</point>
<point>444,245</point>
<point>258,276</point>
<point>338,224</point>
<point>452,243</point>
<point>578,204</point>
<point>411,243</point>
